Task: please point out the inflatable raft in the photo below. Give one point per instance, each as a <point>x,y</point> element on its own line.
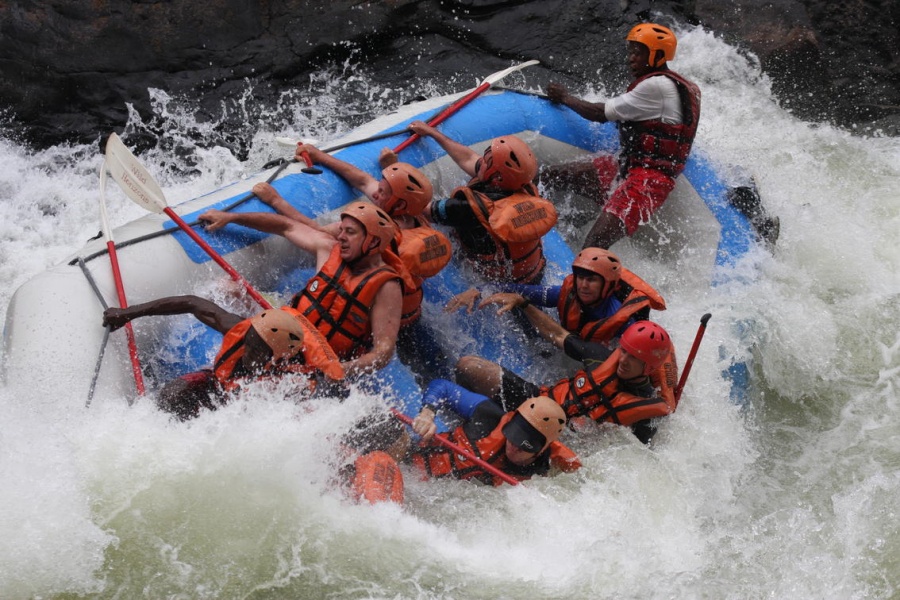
<point>53,333</point>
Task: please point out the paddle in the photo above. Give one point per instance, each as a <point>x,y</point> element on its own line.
<point>454,107</point>
<point>443,441</point>
<point>120,292</point>
<point>690,360</point>
<point>140,186</point>
<point>439,118</point>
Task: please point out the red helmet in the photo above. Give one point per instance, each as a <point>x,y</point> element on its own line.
<point>602,262</point>
<point>380,228</point>
<point>409,184</point>
<point>655,37</point>
<point>648,342</point>
<point>513,161</point>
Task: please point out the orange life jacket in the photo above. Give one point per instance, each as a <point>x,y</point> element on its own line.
<point>657,145</point>
<point>316,356</point>
<point>424,251</point>
<point>634,293</point>
<point>337,302</point>
<point>437,461</point>
<point>597,394</point>
<point>516,223</point>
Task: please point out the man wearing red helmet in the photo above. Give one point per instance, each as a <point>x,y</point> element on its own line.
<point>614,386</point>
<point>355,298</point>
<point>498,216</point>
<point>272,344</point>
<point>657,117</point>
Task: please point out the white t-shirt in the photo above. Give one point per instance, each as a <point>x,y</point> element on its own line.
<point>655,98</point>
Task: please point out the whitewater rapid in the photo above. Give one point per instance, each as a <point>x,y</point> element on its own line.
<point>793,496</point>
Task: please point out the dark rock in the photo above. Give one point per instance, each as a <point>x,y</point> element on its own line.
<point>71,70</point>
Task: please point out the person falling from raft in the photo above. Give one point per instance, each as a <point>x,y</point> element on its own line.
<point>403,192</point>
<point>355,298</point>
<point>657,118</point>
<point>520,443</point>
<point>613,386</point>
<point>273,344</point>
<point>498,217</point>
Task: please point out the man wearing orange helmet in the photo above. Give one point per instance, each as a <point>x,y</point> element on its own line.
<point>355,298</point>
<point>274,343</point>
<point>657,117</point>
<point>498,216</point>
<point>403,192</point>
<point>614,386</point>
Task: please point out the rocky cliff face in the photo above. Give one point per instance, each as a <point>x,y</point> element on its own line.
<point>70,69</point>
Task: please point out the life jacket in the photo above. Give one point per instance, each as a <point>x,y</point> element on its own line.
<point>598,394</point>
<point>316,356</point>
<point>516,223</point>
<point>437,461</point>
<point>657,145</point>
<point>337,302</point>
<point>634,293</point>
<point>424,251</point>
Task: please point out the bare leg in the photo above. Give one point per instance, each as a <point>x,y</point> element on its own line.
<point>607,230</point>
<point>479,375</point>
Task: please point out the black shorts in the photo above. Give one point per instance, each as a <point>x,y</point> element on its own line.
<point>514,390</point>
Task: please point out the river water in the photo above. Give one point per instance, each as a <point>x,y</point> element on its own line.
<point>796,495</point>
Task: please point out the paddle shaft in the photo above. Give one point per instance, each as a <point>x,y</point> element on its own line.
<point>445,114</point>
<point>129,332</point>
<point>690,360</point>
<point>443,441</point>
<point>217,258</point>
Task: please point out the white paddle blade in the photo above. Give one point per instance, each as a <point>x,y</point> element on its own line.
<point>495,77</point>
<point>132,176</point>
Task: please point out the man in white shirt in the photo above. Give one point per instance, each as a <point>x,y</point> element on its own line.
<point>657,118</point>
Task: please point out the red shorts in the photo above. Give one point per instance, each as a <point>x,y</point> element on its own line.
<point>636,197</point>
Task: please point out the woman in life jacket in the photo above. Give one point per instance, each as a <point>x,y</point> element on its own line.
<point>273,344</point>
<point>498,217</point>
<point>657,116</point>
<point>612,386</point>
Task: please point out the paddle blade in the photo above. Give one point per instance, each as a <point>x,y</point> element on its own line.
<point>132,176</point>
<point>495,77</point>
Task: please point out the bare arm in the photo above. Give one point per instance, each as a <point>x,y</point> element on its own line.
<point>462,155</point>
<point>547,326</point>
<point>592,111</point>
<point>270,196</point>
<point>205,311</point>
<point>312,239</point>
<point>385,317</point>
<point>356,177</point>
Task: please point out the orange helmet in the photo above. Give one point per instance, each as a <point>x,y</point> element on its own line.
<point>648,342</point>
<point>380,228</point>
<point>513,161</point>
<point>602,262</point>
<point>537,423</point>
<point>281,332</point>
<point>655,37</point>
<point>409,184</point>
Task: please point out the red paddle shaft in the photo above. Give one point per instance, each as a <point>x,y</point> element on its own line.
<point>445,114</point>
<point>690,360</point>
<point>217,258</point>
<point>129,332</point>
